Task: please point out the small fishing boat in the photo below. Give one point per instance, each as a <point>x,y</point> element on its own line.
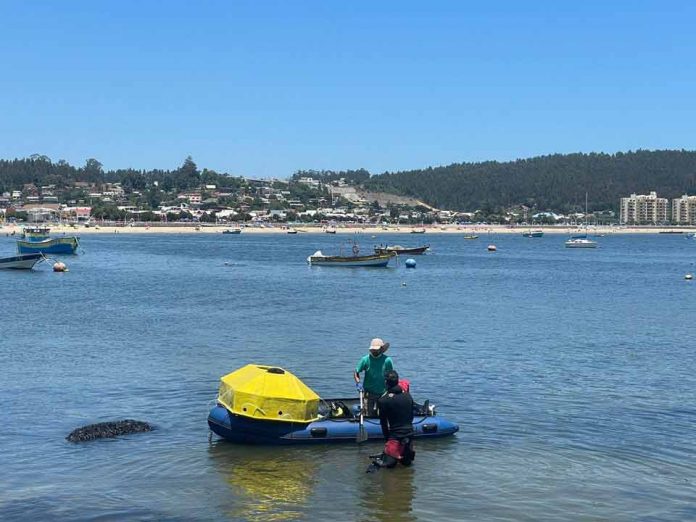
<point>355,261</point>
<point>37,241</point>
<point>401,250</point>
<point>418,231</point>
<point>533,233</point>
<point>267,405</point>
<point>330,230</point>
<point>292,231</point>
<point>21,262</point>
<point>232,231</point>
<point>470,236</point>
<point>580,242</point>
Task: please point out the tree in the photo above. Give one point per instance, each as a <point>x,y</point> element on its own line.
<point>93,166</point>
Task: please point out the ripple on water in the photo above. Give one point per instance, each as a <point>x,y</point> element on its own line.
<point>573,387</point>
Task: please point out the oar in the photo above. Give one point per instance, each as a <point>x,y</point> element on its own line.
<point>362,432</point>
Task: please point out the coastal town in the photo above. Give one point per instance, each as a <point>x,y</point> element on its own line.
<point>301,200</point>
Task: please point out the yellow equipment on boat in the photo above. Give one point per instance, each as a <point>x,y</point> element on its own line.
<point>268,393</point>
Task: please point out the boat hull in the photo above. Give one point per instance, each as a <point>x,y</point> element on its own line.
<point>20,262</point>
<point>580,243</point>
<point>253,431</point>
<point>378,261</point>
<point>533,234</point>
<point>61,245</point>
<point>402,251</point>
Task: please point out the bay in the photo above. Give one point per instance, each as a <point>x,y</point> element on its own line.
<point>570,372</point>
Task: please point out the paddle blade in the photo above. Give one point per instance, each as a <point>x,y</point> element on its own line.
<point>362,434</point>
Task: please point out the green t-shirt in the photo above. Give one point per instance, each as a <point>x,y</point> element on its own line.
<point>374,368</point>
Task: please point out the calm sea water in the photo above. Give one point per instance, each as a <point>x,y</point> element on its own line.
<point>570,372</point>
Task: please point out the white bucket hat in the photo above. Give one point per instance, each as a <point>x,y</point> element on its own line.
<point>378,344</point>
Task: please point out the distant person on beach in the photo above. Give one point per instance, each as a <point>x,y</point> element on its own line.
<point>396,419</point>
<point>375,365</point>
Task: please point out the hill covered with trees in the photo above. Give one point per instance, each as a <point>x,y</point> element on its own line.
<point>40,170</point>
<point>557,182</point>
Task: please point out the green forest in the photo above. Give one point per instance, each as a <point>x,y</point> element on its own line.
<point>557,182</point>
<point>41,171</point>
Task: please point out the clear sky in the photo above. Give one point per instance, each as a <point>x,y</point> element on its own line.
<point>263,88</point>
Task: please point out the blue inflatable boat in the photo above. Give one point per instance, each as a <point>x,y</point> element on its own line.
<point>341,427</point>
<point>260,404</point>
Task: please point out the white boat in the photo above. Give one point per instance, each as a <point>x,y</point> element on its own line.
<point>21,261</point>
<point>579,242</point>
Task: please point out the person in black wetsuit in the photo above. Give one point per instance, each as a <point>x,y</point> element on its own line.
<point>396,418</point>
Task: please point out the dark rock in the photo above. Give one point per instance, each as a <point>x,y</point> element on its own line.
<point>108,430</point>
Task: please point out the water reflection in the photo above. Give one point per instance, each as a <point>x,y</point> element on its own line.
<point>268,483</point>
<point>387,494</point>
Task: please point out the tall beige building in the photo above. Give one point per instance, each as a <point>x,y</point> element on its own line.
<point>644,210</point>
<point>684,210</point>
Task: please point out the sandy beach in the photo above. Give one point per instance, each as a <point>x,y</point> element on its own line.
<point>479,230</point>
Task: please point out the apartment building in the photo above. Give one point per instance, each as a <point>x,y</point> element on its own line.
<point>684,210</point>
<point>644,210</point>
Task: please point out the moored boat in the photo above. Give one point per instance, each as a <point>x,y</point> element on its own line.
<point>580,242</point>
<point>418,231</point>
<point>470,236</point>
<point>401,250</point>
<point>232,231</point>
<point>266,405</point>
<point>372,260</point>
<point>533,233</point>
<point>58,245</point>
<point>21,261</point>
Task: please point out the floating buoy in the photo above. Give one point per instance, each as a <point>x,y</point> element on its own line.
<point>227,263</point>
<point>59,266</point>
<point>688,277</point>
<point>491,248</point>
<point>403,283</point>
<point>410,263</point>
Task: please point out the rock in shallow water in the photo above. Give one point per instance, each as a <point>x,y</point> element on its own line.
<point>108,430</point>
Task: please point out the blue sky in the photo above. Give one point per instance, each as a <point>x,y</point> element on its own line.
<point>266,88</point>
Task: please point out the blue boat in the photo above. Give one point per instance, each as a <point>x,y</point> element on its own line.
<point>59,245</point>
<point>268,405</point>
<point>238,428</point>
<point>37,241</point>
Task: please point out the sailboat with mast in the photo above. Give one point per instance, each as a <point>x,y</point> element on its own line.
<point>582,241</point>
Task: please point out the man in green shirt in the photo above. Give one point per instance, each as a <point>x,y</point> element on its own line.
<point>375,365</point>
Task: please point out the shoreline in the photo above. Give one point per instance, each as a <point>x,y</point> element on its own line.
<point>479,230</point>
